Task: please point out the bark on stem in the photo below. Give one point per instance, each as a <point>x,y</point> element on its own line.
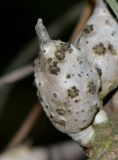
<point>105,143</point>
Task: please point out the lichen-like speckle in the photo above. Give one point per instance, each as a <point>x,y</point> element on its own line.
<point>73,92</point>
<point>88,29</point>
<point>99,49</point>
<point>112,49</point>
<point>53,68</point>
<point>49,59</point>
<point>60,111</point>
<point>62,122</point>
<point>68,76</point>
<point>60,55</point>
<point>66,47</point>
<point>91,87</point>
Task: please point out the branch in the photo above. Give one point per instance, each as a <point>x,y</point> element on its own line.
<point>105,143</point>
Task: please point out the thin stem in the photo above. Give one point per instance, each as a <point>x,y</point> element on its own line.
<point>26,127</point>
<point>16,75</point>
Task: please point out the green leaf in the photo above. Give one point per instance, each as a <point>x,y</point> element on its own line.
<point>114,6</point>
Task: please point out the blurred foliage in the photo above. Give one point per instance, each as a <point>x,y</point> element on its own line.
<point>19,47</point>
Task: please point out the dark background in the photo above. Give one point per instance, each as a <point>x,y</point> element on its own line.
<point>18,20</point>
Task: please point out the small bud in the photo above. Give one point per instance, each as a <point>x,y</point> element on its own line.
<point>101,117</point>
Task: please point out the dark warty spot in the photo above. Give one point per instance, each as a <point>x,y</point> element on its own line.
<point>47,106</point>
<point>99,71</point>
<point>82,110</point>
<point>91,87</point>
<point>51,115</point>
<point>88,29</point>
<point>84,120</point>
<point>53,68</point>
<point>113,33</point>
<point>79,75</point>
<point>73,92</point>
<point>76,100</point>
<point>79,48</point>
<point>60,55</point>
<point>49,59</point>
<point>68,76</point>
<point>99,49</point>
<point>62,122</point>
<point>55,94</point>
<point>60,111</point>
<point>112,49</point>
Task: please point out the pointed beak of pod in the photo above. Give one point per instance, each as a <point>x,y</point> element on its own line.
<point>42,34</point>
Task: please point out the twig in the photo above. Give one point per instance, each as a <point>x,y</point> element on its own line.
<point>25,127</point>
<point>16,75</point>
